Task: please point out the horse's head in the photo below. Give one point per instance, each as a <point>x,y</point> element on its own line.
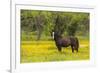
<point>55,35</point>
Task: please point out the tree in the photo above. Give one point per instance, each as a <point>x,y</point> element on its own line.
<point>72,28</point>
<point>39,23</point>
<point>43,22</point>
<point>60,23</point>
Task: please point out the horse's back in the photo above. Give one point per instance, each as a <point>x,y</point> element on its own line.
<point>64,42</point>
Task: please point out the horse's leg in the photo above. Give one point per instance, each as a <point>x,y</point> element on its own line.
<point>72,48</point>
<point>77,45</point>
<point>76,49</point>
<point>59,48</point>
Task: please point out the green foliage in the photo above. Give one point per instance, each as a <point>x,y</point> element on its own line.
<point>43,22</point>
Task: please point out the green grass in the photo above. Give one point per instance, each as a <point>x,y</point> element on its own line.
<point>46,51</point>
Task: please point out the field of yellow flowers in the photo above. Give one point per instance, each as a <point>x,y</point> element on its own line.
<point>46,51</point>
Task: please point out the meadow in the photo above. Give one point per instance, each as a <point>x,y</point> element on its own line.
<point>37,44</point>
<point>46,51</point>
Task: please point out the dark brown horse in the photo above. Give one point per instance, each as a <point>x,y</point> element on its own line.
<point>65,42</point>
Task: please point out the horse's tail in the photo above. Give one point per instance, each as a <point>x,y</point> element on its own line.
<point>75,42</point>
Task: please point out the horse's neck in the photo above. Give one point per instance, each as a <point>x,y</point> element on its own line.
<point>57,38</point>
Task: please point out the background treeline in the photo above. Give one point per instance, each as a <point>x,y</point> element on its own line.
<point>39,24</point>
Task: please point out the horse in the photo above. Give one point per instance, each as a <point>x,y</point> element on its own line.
<point>65,42</point>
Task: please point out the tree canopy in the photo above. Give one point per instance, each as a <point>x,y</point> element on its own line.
<point>43,22</point>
